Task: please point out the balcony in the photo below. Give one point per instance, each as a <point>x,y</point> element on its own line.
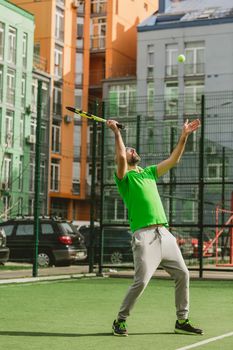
<point>96,76</point>
<point>194,69</point>
<point>98,43</point>
<point>121,71</point>
<point>99,7</point>
<point>39,62</point>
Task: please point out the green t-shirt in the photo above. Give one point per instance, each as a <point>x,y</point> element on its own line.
<point>140,195</point>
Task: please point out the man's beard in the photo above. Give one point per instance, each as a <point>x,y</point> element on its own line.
<point>134,160</point>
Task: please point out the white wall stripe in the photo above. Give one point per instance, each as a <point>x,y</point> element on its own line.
<point>206,341</point>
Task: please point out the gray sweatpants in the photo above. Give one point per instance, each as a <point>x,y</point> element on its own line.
<point>153,247</point>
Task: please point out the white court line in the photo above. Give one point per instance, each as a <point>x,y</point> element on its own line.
<point>206,341</point>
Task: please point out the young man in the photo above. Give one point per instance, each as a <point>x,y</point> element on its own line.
<point>152,243</point>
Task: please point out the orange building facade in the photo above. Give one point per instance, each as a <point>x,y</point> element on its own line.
<point>80,44</point>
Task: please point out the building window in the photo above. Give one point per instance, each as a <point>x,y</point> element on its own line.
<point>59,24</point>
<point>11,46</point>
<point>25,45</point>
<point>171,99</point>
<point>2,40</point>
<point>214,171</point>
<point>55,175</point>
<point>23,90</point>
<point>150,99</point>
<point>98,6</point>
<point>1,83</point>
<point>9,127</point>
<point>6,207</point>
<point>58,61</point>
<point>76,177</point>
<point>80,24</point>
<point>98,33</point>
<point>57,101</point>
<point>195,58</point>
<point>77,141</point>
<point>171,60</point>
<point>33,133</point>
<point>56,138</point>
<point>122,100</point>
<point>115,209</point>
<point>31,174</point>
<point>20,178</point>
<point>192,97</point>
<point>31,206</point>
<point>150,61</point>
<point>21,131</point>
<point>10,86</point>
<point>34,95</point>
<point>7,169</point>
<point>189,210</point>
<point>42,177</point>
<point>79,69</point>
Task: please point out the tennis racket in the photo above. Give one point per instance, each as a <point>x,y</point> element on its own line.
<point>91,116</point>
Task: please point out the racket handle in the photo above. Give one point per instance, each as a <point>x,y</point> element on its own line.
<point>120,126</point>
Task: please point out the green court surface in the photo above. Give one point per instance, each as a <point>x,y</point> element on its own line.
<point>78,314</point>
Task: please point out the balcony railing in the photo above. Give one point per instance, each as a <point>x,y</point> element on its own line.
<point>96,76</point>
<point>98,43</point>
<point>39,62</point>
<point>194,68</point>
<point>121,71</point>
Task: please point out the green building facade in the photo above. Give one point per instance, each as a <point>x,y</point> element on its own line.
<point>16,64</point>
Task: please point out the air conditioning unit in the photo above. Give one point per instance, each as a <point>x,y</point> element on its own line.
<point>75,4</point>
<point>31,139</point>
<point>67,119</point>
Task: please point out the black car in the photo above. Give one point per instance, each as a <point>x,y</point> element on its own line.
<point>116,243</point>
<point>4,251</point>
<point>59,241</point>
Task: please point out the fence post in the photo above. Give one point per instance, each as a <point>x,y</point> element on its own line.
<point>93,193</point>
<point>201,187</point>
<point>37,179</point>
<point>102,164</point>
<point>138,131</point>
<point>172,174</point>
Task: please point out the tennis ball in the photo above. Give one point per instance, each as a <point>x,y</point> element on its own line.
<point>181,58</point>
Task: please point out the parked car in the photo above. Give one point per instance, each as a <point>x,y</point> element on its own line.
<point>59,241</point>
<point>116,243</point>
<point>4,250</point>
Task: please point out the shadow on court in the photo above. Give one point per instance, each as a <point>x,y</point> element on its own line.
<point>70,335</point>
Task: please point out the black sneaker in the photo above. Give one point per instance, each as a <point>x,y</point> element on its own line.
<point>187,328</point>
<point>120,328</point>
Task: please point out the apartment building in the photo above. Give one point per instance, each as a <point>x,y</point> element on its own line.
<point>202,31</point>
<point>16,57</point>
<point>82,43</point>
<point>20,71</point>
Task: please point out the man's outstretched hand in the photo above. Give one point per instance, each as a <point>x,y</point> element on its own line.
<point>188,128</point>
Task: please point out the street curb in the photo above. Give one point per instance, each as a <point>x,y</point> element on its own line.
<point>49,278</point>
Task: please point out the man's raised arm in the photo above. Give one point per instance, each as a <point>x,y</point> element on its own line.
<point>119,148</point>
<point>176,154</point>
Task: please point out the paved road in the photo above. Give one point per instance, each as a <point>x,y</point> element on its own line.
<point>84,269</point>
